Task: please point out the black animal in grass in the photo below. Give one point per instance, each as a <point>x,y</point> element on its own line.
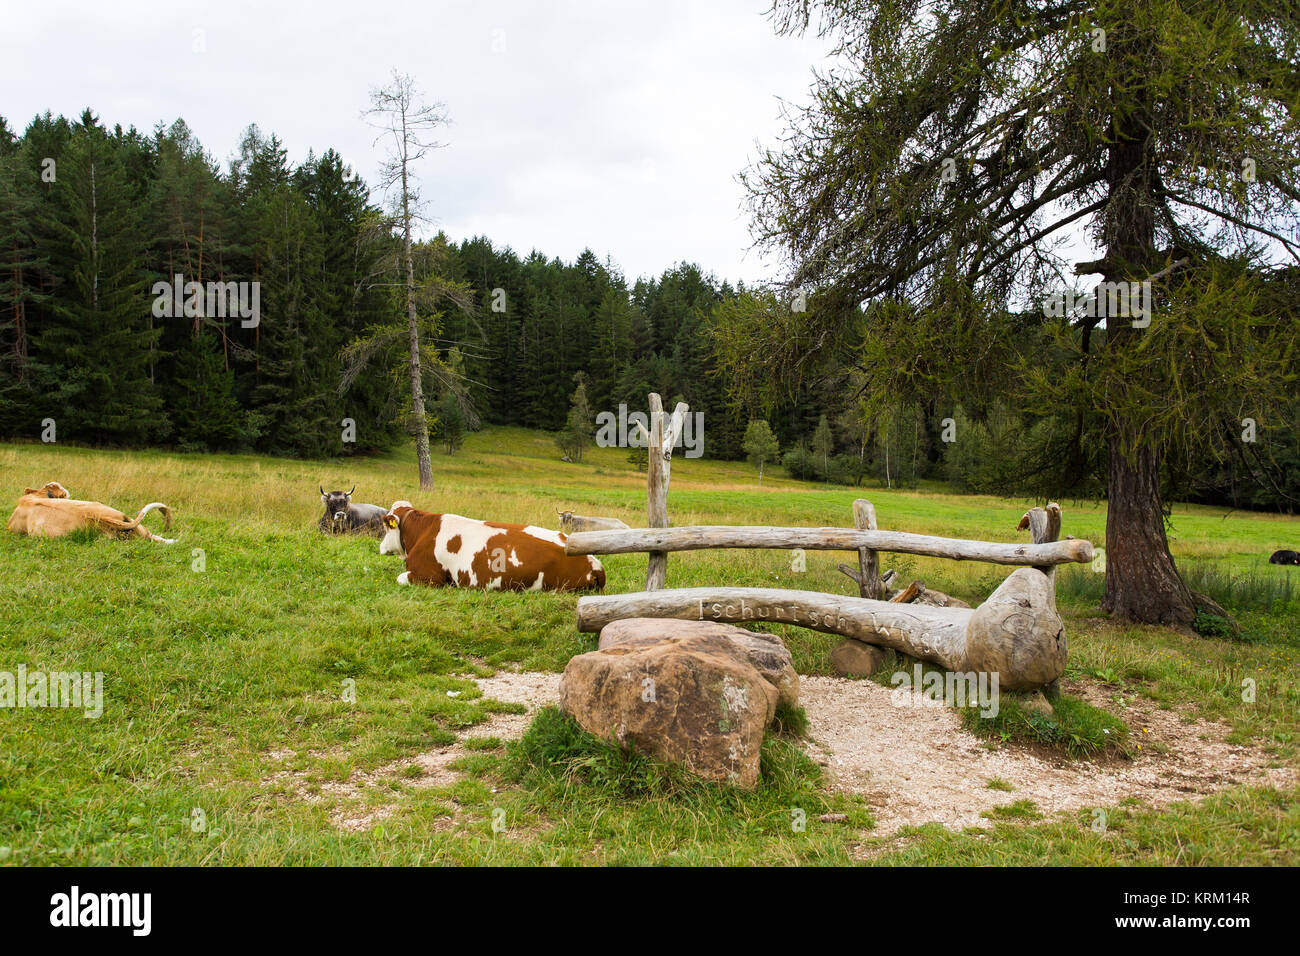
<point>1285,557</point>
<point>342,516</point>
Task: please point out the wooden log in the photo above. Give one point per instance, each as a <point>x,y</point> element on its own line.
<point>869,584</point>
<point>656,493</point>
<point>931,633</point>
<point>659,456</point>
<point>939,599</point>
<point>698,537</point>
<point>852,572</point>
<point>1016,632</point>
<point>908,594</point>
<point>1044,526</point>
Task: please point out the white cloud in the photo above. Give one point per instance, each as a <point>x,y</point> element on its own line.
<point>619,126</point>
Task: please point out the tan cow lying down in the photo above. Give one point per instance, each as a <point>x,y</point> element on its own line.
<point>49,512</point>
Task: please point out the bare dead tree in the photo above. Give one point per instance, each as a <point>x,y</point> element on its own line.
<point>408,125</point>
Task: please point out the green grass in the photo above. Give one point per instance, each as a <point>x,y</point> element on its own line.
<point>230,660</point>
<point>1075,727</point>
<point>1019,810</point>
<point>1245,826</point>
<point>678,818</point>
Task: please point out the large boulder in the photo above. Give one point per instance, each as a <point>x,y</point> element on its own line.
<point>694,700</point>
<point>765,651</point>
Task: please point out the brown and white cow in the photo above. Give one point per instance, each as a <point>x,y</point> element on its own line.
<point>447,549</point>
<point>49,512</point>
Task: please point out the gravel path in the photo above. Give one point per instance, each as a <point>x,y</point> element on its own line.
<point>917,765</point>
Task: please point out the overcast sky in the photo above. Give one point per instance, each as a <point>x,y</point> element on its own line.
<point>615,125</point>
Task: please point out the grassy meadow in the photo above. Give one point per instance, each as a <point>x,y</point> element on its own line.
<point>226,657</point>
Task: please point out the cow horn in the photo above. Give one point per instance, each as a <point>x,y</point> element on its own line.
<point>354,488</point>
<point>322,491</point>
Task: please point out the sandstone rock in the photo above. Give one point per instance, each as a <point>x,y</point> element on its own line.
<point>765,651</point>
<point>857,659</point>
<point>693,700</point>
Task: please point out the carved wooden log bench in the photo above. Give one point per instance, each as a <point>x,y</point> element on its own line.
<point>1016,632</point>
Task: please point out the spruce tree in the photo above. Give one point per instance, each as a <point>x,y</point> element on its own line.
<point>579,426</point>
<point>93,365</point>
<point>21,266</point>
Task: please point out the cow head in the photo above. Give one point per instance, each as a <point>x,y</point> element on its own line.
<point>336,506</point>
<point>51,489</point>
<point>392,542</point>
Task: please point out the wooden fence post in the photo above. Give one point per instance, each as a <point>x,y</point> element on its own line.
<point>1044,526</point>
<point>659,459</point>
<point>869,583</point>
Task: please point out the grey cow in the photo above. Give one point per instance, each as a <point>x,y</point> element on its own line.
<point>343,517</point>
<point>569,523</point>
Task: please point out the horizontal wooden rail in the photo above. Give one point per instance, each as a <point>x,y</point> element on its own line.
<point>879,622</point>
<point>699,537</point>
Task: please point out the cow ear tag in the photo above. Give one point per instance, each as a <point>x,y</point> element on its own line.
<point>390,521</point>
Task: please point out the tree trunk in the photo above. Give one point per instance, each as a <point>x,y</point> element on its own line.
<point>1142,583</point>
<point>419,422</point>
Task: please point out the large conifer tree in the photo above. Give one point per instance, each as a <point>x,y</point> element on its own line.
<point>954,141</point>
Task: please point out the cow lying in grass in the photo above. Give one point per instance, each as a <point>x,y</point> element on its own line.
<point>445,549</point>
<point>49,512</point>
<point>1285,557</point>
<point>569,523</point>
<point>343,516</point>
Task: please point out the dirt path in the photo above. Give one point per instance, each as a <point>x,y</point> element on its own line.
<point>914,765</point>
<point>532,689</point>
<point>919,765</point>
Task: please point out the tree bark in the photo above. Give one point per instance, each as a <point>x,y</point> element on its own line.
<point>419,419</point>
<point>1142,583</point>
